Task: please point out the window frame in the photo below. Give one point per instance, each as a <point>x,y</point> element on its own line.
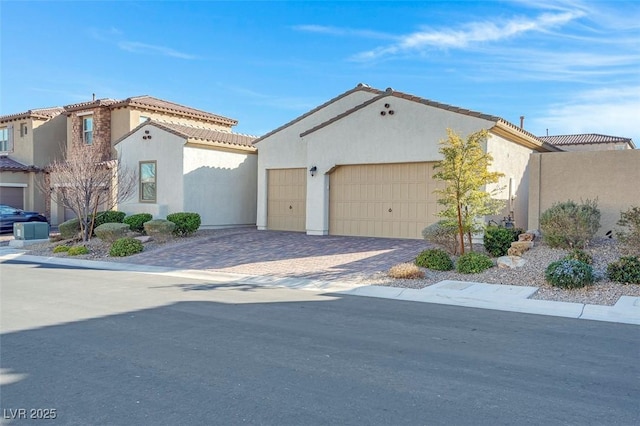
<point>141,184</point>
<point>6,144</point>
<point>4,139</point>
<point>85,131</point>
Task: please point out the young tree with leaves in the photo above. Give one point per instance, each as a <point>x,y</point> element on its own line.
<point>84,182</point>
<point>465,172</point>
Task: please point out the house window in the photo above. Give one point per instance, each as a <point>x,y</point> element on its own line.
<point>148,191</point>
<point>6,139</point>
<point>143,118</point>
<point>620,147</point>
<point>23,130</point>
<point>87,130</point>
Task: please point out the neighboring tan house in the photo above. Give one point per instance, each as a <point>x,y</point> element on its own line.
<point>29,141</point>
<point>186,168</point>
<point>99,123</point>
<point>362,164</point>
<point>589,142</point>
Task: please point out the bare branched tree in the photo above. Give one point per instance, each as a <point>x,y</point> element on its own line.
<point>84,183</point>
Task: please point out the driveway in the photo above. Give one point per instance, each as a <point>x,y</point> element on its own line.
<point>286,254</point>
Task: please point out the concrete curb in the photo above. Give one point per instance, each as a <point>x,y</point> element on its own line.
<point>457,293</point>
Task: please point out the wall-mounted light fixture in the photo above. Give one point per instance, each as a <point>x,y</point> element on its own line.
<point>313,170</point>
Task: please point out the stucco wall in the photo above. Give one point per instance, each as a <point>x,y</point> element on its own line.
<point>594,147</point>
<point>167,150</point>
<point>220,186</point>
<point>49,139</point>
<point>613,177</point>
<point>285,149</point>
<point>512,160</point>
<point>411,134</point>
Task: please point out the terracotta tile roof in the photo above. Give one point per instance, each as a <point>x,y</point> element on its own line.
<point>153,104</point>
<point>41,113</point>
<point>209,135</point>
<point>359,87</point>
<point>90,104</point>
<point>585,138</point>
<point>160,105</point>
<point>9,165</point>
<point>199,135</point>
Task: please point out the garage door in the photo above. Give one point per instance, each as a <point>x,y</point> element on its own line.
<point>287,199</point>
<point>12,196</point>
<point>383,200</point>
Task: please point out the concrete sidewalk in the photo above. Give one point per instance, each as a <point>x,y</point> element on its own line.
<point>458,293</point>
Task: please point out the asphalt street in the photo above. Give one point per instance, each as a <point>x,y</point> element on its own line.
<point>122,348</point>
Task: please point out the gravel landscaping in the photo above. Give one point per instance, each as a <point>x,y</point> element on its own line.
<point>603,292</point>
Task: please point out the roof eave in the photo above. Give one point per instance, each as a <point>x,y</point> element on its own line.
<point>510,132</point>
<point>195,142</point>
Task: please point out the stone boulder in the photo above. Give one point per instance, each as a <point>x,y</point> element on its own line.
<point>519,247</point>
<point>526,236</point>
<point>510,262</point>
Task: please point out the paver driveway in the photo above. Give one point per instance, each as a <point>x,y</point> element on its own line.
<point>290,254</point>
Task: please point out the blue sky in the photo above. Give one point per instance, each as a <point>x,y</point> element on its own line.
<point>568,66</point>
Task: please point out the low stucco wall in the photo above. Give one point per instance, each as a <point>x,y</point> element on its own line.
<point>612,177</point>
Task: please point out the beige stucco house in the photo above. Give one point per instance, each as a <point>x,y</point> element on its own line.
<point>29,141</point>
<point>99,123</point>
<point>362,164</point>
<point>186,168</point>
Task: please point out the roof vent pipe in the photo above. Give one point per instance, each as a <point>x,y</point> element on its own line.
<point>94,96</point>
<point>522,121</point>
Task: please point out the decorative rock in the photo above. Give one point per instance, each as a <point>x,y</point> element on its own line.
<point>143,238</point>
<point>519,247</point>
<point>510,262</point>
<point>526,236</point>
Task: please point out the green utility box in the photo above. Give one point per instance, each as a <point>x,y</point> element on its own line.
<point>31,231</point>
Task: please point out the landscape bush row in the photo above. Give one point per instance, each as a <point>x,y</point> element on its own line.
<point>567,225</point>
<point>115,227</point>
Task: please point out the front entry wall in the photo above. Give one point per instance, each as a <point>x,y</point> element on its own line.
<point>383,200</point>
<point>287,199</point>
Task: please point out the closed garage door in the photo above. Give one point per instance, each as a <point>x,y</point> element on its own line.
<point>287,199</point>
<point>383,200</point>
<point>12,196</point>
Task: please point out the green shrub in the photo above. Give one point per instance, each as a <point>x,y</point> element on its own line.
<point>581,255</point>
<point>626,270</point>
<point>109,216</point>
<point>125,247</point>
<point>630,239</point>
<point>436,259</point>
<point>569,273</point>
<point>61,249</point>
<point>186,223</point>
<point>69,229</point>
<point>443,234</point>
<point>111,231</point>
<point>159,229</point>
<point>570,225</point>
<point>473,263</point>
<point>407,271</point>
<point>498,239</point>
<point>77,250</point>
<point>136,221</point>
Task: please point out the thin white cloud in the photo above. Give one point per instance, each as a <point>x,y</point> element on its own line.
<point>335,31</point>
<point>608,111</point>
<point>470,34</point>
<point>144,48</point>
